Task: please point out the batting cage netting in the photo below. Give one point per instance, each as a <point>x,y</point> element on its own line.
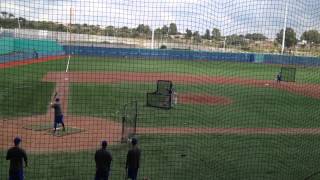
<point>129,120</point>
<point>288,74</point>
<point>160,89</point>
<point>162,97</point>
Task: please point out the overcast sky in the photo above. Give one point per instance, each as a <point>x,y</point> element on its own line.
<point>231,16</point>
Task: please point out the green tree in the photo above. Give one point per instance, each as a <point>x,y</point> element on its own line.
<point>143,30</point>
<point>188,33</point>
<point>290,39</point>
<point>22,21</point>
<point>196,36</point>
<point>256,36</point>
<point>29,24</point>
<point>236,40</point>
<point>4,14</point>
<point>165,30</point>
<point>11,16</point>
<point>61,28</point>
<point>173,30</point>
<point>158,33</point>
<point>76,28</point>
<point>124,32</point>
<point>109,31</point>
<point>216,34</point>
<point>311,36</point>
<point>207,35</point>
<point>134,33</point>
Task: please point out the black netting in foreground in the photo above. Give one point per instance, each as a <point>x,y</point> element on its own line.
<point>218,111</point>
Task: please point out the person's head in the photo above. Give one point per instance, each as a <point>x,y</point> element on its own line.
<point>104,144</point>
<point>57,100</point>
<point>134,141</point>
<point>17,141</point>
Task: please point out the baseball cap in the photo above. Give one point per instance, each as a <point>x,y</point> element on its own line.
<point>17,140</point>
<point>134,141</point>
<point>104,143</point>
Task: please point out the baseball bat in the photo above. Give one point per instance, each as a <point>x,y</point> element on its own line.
<point>54,97</point>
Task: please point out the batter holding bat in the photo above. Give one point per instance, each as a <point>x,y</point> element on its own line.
<point>58,116</point>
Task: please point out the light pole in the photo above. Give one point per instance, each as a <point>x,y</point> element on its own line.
<point>19,27</point>
<point>284,28</point>
<point>19,23</point>
<point>224,43</point>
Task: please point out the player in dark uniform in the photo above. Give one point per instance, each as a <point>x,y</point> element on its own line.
<point>133,160</point>
<point>58,116</point>
<point>103,160</point>
<point>35,54</point>
<point>16,155</point>
<point>279,77</point>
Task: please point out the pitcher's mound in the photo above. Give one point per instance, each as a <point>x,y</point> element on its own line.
<point>68,131</point>
<point>48,129</point>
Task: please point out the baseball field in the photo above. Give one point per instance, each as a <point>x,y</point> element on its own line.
<point>232,120</point>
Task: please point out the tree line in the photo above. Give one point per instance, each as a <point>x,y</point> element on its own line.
<point>9,20</point>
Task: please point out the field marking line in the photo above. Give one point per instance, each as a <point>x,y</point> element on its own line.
<point>68,63</point>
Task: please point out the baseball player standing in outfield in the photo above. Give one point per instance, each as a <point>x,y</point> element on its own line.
<point>58,116</point>
<point>103,160</point>
<point>133,160</point>
<point>16,155</point>
<point>174,97</point>
<point>35,54</point>
<point>279,77</point>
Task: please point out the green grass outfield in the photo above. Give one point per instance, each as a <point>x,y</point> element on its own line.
<point>222,157</point>
<point>207,156</point>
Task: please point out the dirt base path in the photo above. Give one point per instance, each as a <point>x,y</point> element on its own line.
<point>97,129</point>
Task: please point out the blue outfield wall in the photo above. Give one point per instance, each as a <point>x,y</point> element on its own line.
<point>291,60</point>
<point>193,55</point>
<point>170,55</point>
<point>157,53</point>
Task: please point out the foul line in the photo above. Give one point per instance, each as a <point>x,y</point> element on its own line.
<point>68,64</point>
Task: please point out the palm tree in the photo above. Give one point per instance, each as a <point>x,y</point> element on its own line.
<point>11,15</point>
<point>4,14</point>
<point>22,19</point>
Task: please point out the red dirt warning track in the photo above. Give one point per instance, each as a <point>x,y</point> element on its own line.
<point>96,129</point>
<point>31,61</point>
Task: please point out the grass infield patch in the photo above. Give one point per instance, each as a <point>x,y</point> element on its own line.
<point>38,127</point>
